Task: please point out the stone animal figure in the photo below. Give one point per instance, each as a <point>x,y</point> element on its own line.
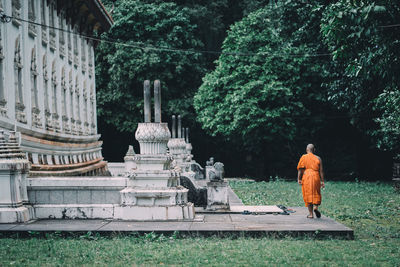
<point>218,173</point>
<point>210,162</point>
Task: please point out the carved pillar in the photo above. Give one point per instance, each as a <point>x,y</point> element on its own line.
<point>92,109</point>
<point>78,122</point>
<point>71,103</point>
<point>69,44</point>
<point>47,113</point>
<point>32,17</point>
<point>61,34</point>
<point>52,24</point>
<point>85,110</point>
<point>65,125</point>
<point>36,120</point>
<point>45,39</point>
<point>3,101</point>
<point>19,100</point>
<point>55,116</point>
<point>90,58</point>
<point>16,12</point>
<point>83,53</point>
<point>76,53</point>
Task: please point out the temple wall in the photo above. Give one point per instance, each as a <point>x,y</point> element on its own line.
<point>47,86</point>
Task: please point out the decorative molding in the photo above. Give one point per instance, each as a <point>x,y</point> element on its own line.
<point>153,137</point>
<point>32,30</point>
<point>52,23</point>
<point>45,39</point>
<point>61,34</point>
<point>36,120</point>
<point>19,101</point>
<point>16,12</point>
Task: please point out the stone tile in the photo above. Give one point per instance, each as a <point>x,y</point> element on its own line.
<point>212,226</point>
<point>84,197</point>
<point>217,218</point>
<point>62,225</point>
<point>43,196</point>
<point>56,197</point>
<point>32,196</point>
<point>125,226</point>
<point>113,197</point>
<point>7,226</point>
<point>70,196</point>
<point>98,197</point>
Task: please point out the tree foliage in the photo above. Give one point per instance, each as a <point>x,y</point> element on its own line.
<point>265,81</point>
<point>139,28</point>
<point>366,65</point>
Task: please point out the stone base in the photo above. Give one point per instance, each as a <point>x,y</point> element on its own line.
<point>217,195</point>
<point>75,211</point>
<point>154,196</point>
<point>15,215</point>
<point>156,213</point>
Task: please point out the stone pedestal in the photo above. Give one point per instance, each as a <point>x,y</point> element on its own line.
<point>129,159</point>
<point>14,168</point>
<point>217,195</point>
<point>154,191</point>
<point>177,148</point>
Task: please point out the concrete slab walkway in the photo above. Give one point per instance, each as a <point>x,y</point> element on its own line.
<point>295,224</point>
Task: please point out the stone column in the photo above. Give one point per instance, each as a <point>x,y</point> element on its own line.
<point>173,126</point>
<point>157,101</point>
<point>14,168</point>
<point>147,101</point>
<point>179,127</point>
<point>187,135</point>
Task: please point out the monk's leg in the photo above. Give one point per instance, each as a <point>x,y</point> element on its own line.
<point>310,210</point>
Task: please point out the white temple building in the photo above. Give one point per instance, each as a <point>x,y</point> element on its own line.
<point>47,83</point>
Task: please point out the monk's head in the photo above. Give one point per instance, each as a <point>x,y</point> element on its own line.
<point>310,148</point>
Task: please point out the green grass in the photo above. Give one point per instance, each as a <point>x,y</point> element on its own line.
<point>371,209</point>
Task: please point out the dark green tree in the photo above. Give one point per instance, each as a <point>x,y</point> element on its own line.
<point>266,84</point>
<point>365,77</point>
<point>145,33</point>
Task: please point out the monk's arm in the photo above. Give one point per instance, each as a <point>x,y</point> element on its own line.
<point>321,173</point>
<point>299,175</point>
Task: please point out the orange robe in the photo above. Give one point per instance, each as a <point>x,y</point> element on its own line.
<point>311,182</point>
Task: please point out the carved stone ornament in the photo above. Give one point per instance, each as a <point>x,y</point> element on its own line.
<point>153,137</point>
<point>32,17</point>
<point>16,12</point>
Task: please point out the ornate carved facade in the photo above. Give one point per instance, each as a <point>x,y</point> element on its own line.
<point>47,83</point>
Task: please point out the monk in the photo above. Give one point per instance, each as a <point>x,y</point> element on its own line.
<point>310,176</point>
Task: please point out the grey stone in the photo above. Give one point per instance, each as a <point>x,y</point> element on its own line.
<point>157,101</point>
<point>179,126</point>
<point>56,197</point>
<point>70,197</point>
<point>98,197</point>
<point>43,196</point>
<point>173,126</point>
<point>84,197</point>
<point>112,197</point>
<point>147,101</point>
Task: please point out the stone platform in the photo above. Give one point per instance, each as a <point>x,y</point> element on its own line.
<point>295,224</point>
